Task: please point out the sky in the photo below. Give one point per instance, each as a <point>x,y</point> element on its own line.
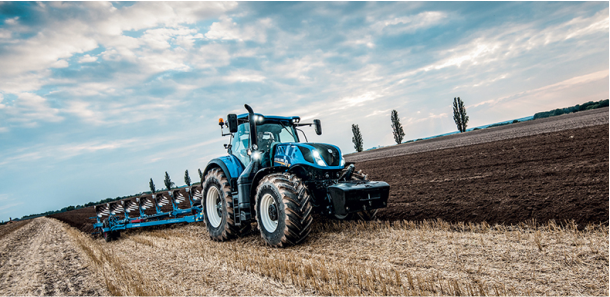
<point>96,98</point>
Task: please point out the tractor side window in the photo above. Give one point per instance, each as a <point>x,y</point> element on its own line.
<point>287,134</point>
<point>240,143</point>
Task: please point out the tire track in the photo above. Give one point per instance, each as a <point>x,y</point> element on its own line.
<point>40,259</point>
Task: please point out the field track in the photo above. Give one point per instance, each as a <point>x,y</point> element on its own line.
<point>39,258</point>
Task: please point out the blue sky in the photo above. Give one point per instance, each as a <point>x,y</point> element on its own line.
<point>98,97</point>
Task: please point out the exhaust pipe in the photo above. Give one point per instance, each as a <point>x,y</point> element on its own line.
<point>253,140</point>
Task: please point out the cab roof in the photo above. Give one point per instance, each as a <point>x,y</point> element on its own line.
<point>244,117</point>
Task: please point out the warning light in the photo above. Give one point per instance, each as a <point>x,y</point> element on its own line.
<point>221,122</point>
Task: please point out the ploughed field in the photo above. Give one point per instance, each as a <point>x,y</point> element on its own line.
<point>517,216</point>
<point>557,176</point>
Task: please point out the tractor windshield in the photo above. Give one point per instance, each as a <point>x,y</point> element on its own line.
<point>268,134</point>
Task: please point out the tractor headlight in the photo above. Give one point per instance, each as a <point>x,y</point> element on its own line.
<point>318,158</point>
<point>256,155</point>
<point>342,161</point>
<point>259,119</point>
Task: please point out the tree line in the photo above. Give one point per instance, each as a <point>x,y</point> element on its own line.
<point>459,116</point>
<point>576,108</point>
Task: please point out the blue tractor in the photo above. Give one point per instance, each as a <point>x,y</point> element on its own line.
<point>271,177</point>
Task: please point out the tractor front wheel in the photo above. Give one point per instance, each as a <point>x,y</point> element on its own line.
<point>218,207</point>
<point>283,209</point>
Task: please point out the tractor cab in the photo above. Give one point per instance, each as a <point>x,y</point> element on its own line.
<point>270,132</point>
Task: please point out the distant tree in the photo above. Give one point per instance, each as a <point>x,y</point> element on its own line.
<point>459,114</point>
<point>151,184</point>
<point>397,130</point>
<point>200,173</point>
<point>168,181</point>
<point>357,138</point>
<point>187,178</point>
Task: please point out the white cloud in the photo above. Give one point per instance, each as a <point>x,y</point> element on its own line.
<point>5,34</point>
<point>60,64</point>
<point>28,60</point>
<point>412,23</point>
<point>227,29</point>
<point>359,99</point>
<point>211,55</point>
<point>87,59</point>
<point>11,21</point>
<point>30,109</point>
<point>245,76</point>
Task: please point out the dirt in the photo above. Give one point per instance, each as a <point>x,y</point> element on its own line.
<point>552,176</point>
<point>78,218</point>
<point>40,259</point>
<point>576,120</point>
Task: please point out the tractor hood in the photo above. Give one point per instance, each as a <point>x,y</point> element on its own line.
<point>319,155</point>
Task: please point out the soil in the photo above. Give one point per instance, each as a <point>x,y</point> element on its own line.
<point>78,218</point>
<point>581,119</point>
<point>552,176</point>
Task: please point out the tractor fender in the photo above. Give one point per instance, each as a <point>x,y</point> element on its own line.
<point>230,166</point>
<point>259,175</point>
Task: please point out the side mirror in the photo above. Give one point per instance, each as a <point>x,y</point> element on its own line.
<point>232,120</point>
<point>318,126</point>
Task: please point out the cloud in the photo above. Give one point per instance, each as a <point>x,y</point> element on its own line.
<point>410,24</point>
<point>30,109</point>
<point>87,59</point>
<point>227,29</point>
<point>245,76</point>
<point>64,151</point>
<point>562,86</point>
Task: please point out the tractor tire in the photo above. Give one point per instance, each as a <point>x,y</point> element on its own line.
<point>365,215</point>
<point>283,209</point>
<point>107,236</point>
<point>218,207</point>
<point>115,235</point>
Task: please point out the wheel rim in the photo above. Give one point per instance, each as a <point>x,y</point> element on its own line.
<point>212,203</point>
<point>267,205</point>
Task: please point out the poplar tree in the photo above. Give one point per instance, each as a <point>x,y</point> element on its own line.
<point>397,130</point>
<point>200,174</point>
<point>187,178</point>
<point>168,182</point>
<point>459,114</point>
<point>357,139</point>
<point>151,184</point>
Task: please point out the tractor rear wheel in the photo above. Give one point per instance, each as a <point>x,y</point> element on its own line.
<point>218,207</point>
<point>283,209</point>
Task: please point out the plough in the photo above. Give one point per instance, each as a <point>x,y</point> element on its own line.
<point>182,205</point>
